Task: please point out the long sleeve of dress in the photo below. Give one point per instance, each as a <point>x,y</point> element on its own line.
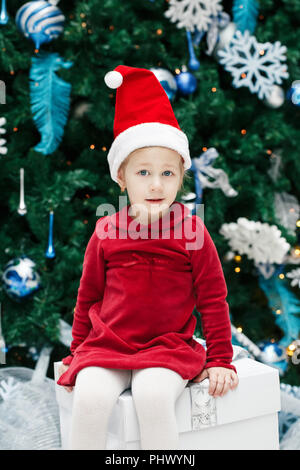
<point>90,291</point>
<point>210,293</point>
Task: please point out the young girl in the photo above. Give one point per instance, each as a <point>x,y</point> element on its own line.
<point>145,269</point>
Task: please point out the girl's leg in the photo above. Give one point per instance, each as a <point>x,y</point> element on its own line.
<point>95,393</point>
<point>155,391</point>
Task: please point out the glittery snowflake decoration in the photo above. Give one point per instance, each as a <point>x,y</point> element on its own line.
<point>8,387</point>
<point>295,276</point>
<point>261,242</point>
<point>193,14</point>
<point>254,65</point>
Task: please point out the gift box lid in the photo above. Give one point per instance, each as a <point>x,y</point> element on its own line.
<point>65,399</point>
<point>257,394</point>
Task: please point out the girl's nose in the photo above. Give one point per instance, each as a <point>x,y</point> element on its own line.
<point>155,184</point>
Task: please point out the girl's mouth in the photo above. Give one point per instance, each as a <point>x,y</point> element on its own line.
<point>154,201</point>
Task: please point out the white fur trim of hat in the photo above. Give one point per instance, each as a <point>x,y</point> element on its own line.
<point>147,134</point>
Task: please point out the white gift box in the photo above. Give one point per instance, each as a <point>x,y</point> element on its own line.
<point>244,418</point>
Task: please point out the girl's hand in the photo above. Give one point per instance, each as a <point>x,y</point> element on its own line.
<point>61,370</point>
<point>221,380</point>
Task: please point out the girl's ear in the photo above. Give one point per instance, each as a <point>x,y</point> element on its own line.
<point>120,179</point>
<point>120,176</point>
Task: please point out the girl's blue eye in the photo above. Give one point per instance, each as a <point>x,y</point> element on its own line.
<point>167,171</point>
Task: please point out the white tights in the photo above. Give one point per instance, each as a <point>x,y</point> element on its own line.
<point>154,392</point>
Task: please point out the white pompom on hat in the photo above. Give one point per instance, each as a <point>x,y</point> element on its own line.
<point>143,117</point>
<point>113,79</point>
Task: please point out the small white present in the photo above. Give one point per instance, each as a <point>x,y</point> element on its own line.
<point>244,418</point>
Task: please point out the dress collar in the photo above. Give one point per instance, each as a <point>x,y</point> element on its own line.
<point>176,214</point>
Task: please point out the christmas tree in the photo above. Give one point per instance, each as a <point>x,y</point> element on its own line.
<point>230,70</point>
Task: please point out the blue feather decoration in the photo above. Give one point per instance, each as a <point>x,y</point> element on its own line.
<point>50,99</point>
<point>281,298</point>
<point>244,14</point>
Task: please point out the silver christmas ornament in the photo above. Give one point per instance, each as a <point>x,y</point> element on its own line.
<point>22,209</point>
<point>167,81</point>
<point>276,97</point>
<point>225,36</point>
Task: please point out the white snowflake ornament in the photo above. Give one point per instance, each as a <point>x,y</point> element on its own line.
<point>295,276</point>
<point>8,387</point>
<point>193,14</point>
<point>254,65</point>
<point>261,242</point>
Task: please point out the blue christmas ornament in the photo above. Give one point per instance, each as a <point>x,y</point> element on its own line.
<point>50,252</point>
<point>20,278</point>
<point>186,83</point>
<point>40,21</point>
<point>167,81</point>
<point>273,353</point>
<point>198,185</point>
<point>197,37</point>
<point>194,63</point>
<point>293,93</point>
<point>3,13</point>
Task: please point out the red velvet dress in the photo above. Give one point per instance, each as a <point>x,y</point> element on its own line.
<point>138,289</point>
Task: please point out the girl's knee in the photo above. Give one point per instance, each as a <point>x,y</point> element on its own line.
<point>153,402</point>
<point>155,393</point>
<point>97,389</point>
<point>90,401</point>
<point>156,398</point>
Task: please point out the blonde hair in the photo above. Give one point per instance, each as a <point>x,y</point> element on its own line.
<point>186,177</point>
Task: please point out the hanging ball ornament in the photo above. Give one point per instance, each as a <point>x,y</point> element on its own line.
<point>20,278</point>
<point>186,82</point>
<point>272,351</point>
<point>40,21</point>
<point>276,97</point>
<point>293,94</point>
<point>167,81</point>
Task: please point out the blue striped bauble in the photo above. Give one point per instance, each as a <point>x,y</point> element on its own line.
<point>40,21</point>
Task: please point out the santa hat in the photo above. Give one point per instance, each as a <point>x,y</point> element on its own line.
<point>143,117</point>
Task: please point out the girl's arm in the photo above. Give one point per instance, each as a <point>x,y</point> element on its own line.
<point>210,293</point>
<point>90,291</point>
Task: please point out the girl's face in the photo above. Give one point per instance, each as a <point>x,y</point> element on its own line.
<point>149,174</point>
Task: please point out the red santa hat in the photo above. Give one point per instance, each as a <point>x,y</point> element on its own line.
<point>143,117</point>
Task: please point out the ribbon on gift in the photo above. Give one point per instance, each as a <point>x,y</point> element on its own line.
<point>203,406</point>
